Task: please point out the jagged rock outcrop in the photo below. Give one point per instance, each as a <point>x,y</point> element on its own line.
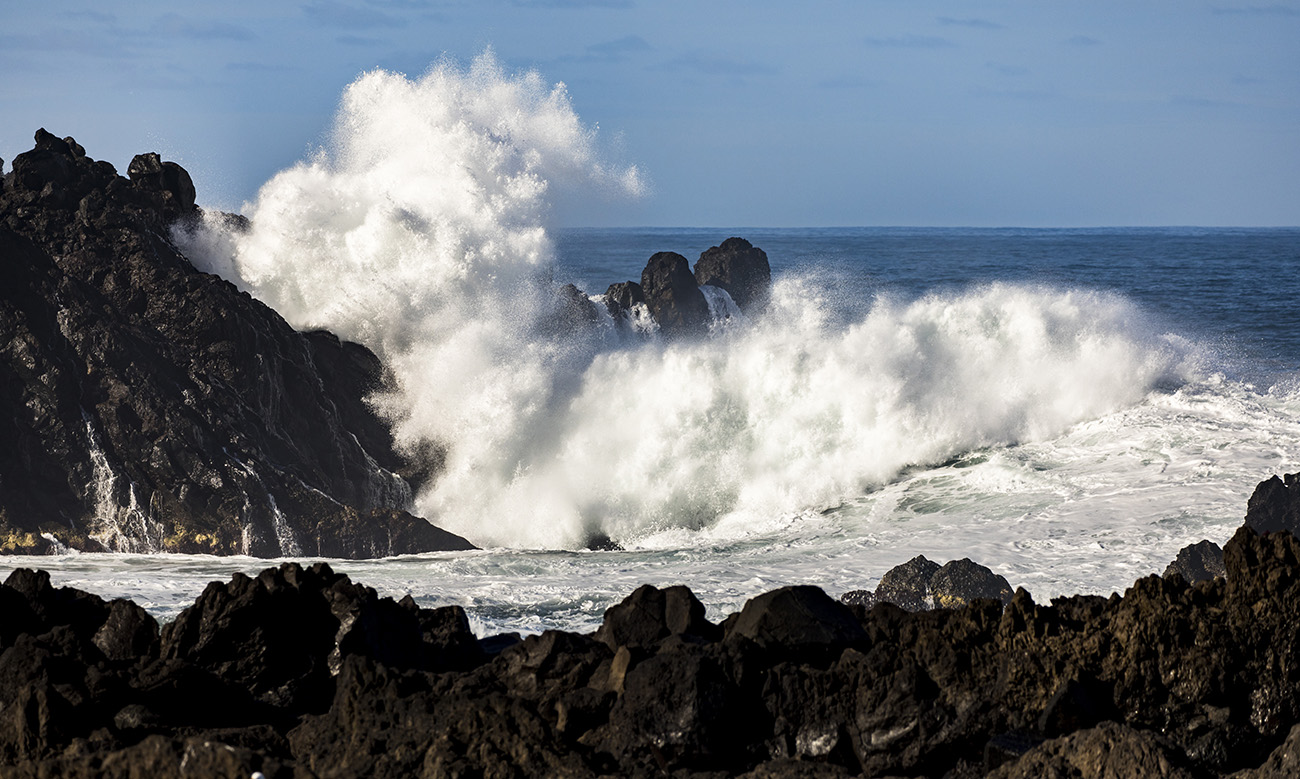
<point>301,672</point>
<point>740,268</point>
<point>1197,562</point>
<point>147,406</point>
<point>1275,505</point>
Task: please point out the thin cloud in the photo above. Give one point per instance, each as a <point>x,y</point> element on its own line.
<point>177,26</point>
<point>73,41</point>
<point>257,67</point>
<point>1196,101</point>
<point>1004,69</point>
<point>609,52</point>
<point>358,40</point>
<point>711,65</point>
<point>332,13</point>
<point>574,3</point>
<point>979,24</point>
<point>910,42</point>
<point>626,45</point>
<point>94,16</point>
<point>1258,10</point>
<point>846,82</point>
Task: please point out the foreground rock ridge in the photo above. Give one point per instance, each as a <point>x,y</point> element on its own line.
<point>301,672</point>
<point>146,406</point>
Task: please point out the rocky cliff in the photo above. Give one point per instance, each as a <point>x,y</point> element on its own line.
<point>147,406</point>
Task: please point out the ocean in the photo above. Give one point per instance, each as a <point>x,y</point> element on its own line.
<point>1069,407</point>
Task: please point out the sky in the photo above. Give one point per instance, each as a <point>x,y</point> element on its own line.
<point>758,114</point>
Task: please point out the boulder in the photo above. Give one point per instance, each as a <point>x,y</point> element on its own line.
<point>129,632</point>
<point>650,614</point>
<point>741,269</point>
<point>678,709</point>
<point>908,585</point>
<point>796,619</point>
<point>864,598</point>
<point>673,296</point>
<point>959,582</point>
<point>1197,562</point>
<point>168,180</point>
<point>573,313</point>
<point>621,297</point>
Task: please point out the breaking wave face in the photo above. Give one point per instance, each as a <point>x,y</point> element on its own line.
<point>419,230</point>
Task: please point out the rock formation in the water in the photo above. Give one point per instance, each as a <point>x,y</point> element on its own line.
<point>738,267</point>
<point>300,672</point>
<point>672,293</point>
<point>146,406</point>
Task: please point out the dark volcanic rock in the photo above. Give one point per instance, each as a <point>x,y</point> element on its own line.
<point>1275,505</point>
<point>301,672</point>
<point>147,406</point>
<point>959,582</point>
<point>908,585</point>
<point>796,618</point>
<point>1110,750</point>
<point>673,296</point>
<point>740,268</point>
<point>650,614</point>
<point>621,297</point>
<point>1197,562</point>
<point>919,584</point>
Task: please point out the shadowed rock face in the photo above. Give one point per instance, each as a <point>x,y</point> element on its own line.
<point>302,672</point>
<point>147,406</point>
<point>738,267</point>
<point>1197,562</point>
<point>672,295</point>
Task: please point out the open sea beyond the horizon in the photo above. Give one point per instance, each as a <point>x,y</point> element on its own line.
<point>1069,407</point>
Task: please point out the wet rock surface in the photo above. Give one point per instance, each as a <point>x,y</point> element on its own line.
<point>301,672</point>
<point>147,406</point>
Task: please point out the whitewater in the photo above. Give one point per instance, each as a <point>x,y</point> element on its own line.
<point>1066,407</point>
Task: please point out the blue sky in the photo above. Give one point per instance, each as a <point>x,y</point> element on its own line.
<point>863,112</point>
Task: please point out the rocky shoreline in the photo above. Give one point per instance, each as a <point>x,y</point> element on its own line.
<point>151,407</point>
<point>300,672</point>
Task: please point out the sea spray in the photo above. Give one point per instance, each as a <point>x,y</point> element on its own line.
<point>420,231</point>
